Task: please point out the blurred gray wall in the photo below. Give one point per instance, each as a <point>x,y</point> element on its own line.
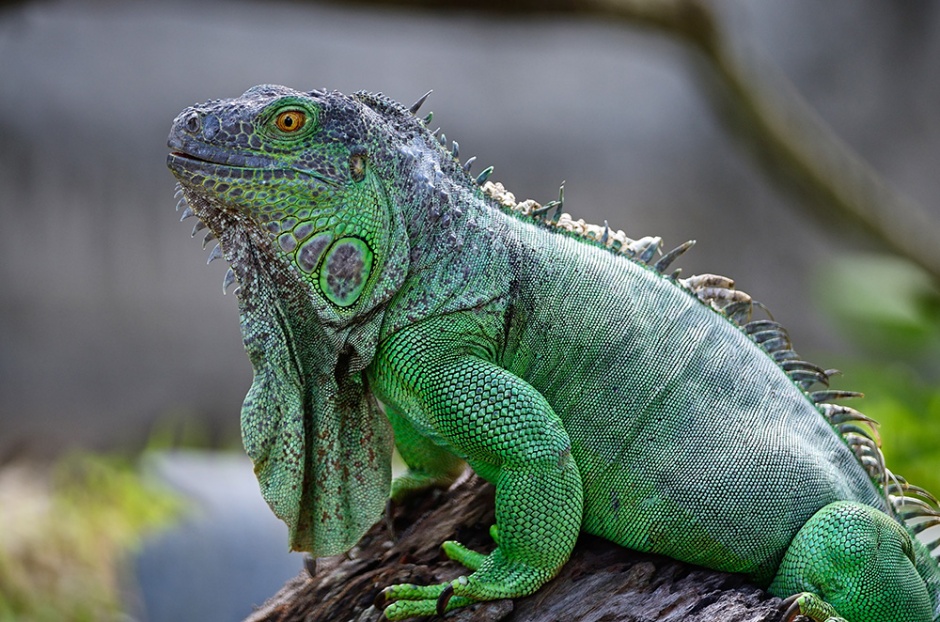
<point>109,320</point>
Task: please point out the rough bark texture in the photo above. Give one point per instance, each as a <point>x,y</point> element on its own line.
<point>601,582</point>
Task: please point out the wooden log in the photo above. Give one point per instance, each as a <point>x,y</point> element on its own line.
<point>602,582</point>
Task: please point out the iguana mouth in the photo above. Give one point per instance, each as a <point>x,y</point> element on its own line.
<point>195,164</point>
<point>236,166</point>
<point>182,155</point>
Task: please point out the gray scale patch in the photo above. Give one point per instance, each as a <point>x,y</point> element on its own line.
<point>211,126</point>
<point>344,269</point>
<point>303,231</point>
<point>287,242</point>
<point>310,252</point>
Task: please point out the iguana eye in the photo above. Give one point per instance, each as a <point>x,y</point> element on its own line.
<point>290,120</point>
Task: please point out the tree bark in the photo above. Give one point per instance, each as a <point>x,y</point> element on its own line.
<point>601,581</point>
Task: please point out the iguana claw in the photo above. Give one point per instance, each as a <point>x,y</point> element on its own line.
<point>381,600</point>
<point>444,598</point>
<point>389,523</point>
<point>791,608</point>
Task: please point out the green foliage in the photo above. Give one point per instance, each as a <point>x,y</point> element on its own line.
<point>888,307</point>
<point>891,312</point>
<point>65,533</point>
<point>909,411</point>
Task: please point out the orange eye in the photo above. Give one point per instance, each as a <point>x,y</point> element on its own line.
<point>290,120</point>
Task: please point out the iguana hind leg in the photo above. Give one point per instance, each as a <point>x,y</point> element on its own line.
<point>854,562</point>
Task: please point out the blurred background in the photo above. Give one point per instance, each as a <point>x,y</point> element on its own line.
<point>116,340</point>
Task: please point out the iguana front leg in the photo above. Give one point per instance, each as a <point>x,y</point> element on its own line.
<point>440,379</point>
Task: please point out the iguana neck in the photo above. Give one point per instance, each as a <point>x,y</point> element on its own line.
<point>457,239</point>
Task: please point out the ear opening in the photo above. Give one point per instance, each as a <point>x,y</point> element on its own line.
<point>358,157</point>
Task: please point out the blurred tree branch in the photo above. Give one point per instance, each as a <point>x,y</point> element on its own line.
<point>763,110</point>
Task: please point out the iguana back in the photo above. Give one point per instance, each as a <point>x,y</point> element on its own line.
<point>672,410</point>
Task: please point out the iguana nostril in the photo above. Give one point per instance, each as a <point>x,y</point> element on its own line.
<point>191,123</point>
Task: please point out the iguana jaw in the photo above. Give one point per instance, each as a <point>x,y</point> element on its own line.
<point>240,235</point>
<point>227,227</point>
<point>192,159</point>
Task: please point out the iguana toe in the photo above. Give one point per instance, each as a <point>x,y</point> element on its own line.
<point>406,601</point>
<point>461,554</point>
<point>415,482</point>
<point>809,605</point>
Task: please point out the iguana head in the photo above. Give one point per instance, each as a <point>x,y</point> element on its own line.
<point>294,186</point>
<point>300,168</point>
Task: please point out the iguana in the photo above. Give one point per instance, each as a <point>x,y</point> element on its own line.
<point>561,361</point>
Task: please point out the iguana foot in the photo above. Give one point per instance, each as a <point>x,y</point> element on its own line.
<point>414,482</point>
<point>811,606</point>
<point>494,578</point>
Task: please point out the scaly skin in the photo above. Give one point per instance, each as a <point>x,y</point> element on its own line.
<point>592,391</point>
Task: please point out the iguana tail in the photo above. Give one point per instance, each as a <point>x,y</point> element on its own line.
<point>919,511</point>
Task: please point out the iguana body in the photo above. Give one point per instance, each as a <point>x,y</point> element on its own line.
<point>593,391</point>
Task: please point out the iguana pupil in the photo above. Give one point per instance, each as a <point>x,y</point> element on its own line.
<point>290,121</point>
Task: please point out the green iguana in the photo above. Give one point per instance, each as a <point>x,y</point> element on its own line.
<point>561,361</point>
